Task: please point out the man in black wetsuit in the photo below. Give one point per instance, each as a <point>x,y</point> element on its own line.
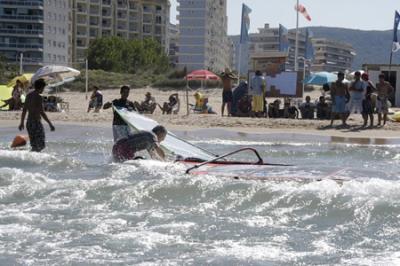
<point>125,148</point>
<point>120,127</point>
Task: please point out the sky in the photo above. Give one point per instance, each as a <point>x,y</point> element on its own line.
<point>354,14</point>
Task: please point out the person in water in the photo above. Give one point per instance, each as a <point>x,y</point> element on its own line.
<point>126,148</point>
<point>120,127</point>
<point>34,106</point>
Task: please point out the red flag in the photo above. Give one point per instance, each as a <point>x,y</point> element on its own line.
<point>300,8</point>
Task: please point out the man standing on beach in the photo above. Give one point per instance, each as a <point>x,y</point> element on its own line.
<point>367,106</point>
<point>384,89</point>
<point>357,90</point>
<point>257,90</point>
<point>34,106</point>
<point>227,95</point>
<point>339,90</point>
<point>120,128</point>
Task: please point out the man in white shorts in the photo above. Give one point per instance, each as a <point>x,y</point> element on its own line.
<point>357,92</point>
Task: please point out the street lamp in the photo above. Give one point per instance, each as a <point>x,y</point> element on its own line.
<point>305,61</point>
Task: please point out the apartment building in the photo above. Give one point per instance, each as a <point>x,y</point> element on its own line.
<point>266,44</point>
<point>203,40</point>
<point>173,36</point>
<point>35,29</point>
<point>130,19</point>
<point>332,55</point>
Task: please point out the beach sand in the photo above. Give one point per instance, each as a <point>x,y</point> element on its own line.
<point>78,105</point>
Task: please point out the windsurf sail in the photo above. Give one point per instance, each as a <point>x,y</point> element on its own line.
<point>172,143</point>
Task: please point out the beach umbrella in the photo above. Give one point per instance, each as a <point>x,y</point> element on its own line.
<point>201,75</point>
<point>321,78</point>
<point>54,74</point>
<point>24,78</point>
<point>5,94</point>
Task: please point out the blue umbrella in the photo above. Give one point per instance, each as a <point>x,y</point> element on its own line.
<point>321,78</point>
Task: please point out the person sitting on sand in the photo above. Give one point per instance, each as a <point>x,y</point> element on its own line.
<point>240,94</point>
<point>172,106</point>
<point>34,107</point>
<point>307,109</point>
<point>147,106</point>
<point>202,106</point>
<point>126,148</point>
<point>323,109</point>
<point>289,111</point>
<point>14,103</point>
<point>120,128</point>
<point>96,100</point>
<point>273,109</point>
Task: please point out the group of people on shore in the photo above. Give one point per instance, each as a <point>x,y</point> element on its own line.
<point>358,98</point>
<point>345,99</point>
<point>147,106</point>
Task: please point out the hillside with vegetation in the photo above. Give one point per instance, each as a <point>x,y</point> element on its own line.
<point>372,47</point>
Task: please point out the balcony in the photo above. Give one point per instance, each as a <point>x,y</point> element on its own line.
<point>22,18</point>
<point>106,2</point>
<point>21,45</point>
<point>21,32</point>
<point>22,3</point>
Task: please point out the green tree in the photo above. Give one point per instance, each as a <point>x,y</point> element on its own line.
<point>7,70</point>
<point>127,56</point>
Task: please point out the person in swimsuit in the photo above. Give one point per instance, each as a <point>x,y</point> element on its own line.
<point>34,106</point>
<point>126,148</point>
<point>120,127</point>
<point>367,105</point>
<point>339,90</point>
<point>227,94</point>
<point>384,90</point>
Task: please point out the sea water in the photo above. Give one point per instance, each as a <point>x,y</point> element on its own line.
<point>72,205</point>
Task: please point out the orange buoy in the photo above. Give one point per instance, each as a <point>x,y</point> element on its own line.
<point>19,141</point>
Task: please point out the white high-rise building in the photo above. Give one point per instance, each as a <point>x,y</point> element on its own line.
<point>203,40</point>
<point>129,19</point>
<point>35,29</point>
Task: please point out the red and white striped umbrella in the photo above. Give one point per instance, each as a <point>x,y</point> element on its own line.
<point>201,75</point>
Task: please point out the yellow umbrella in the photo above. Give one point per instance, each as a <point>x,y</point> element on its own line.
<point>24,78</point>
<point>5,94</point>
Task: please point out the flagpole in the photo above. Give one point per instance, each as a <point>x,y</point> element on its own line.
<point>296,50</point>
<point>240,59</point>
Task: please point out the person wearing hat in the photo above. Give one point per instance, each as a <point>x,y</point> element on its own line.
<point>227,95</point>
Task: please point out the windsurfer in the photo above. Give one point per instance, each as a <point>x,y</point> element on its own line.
<point>125,148</point>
